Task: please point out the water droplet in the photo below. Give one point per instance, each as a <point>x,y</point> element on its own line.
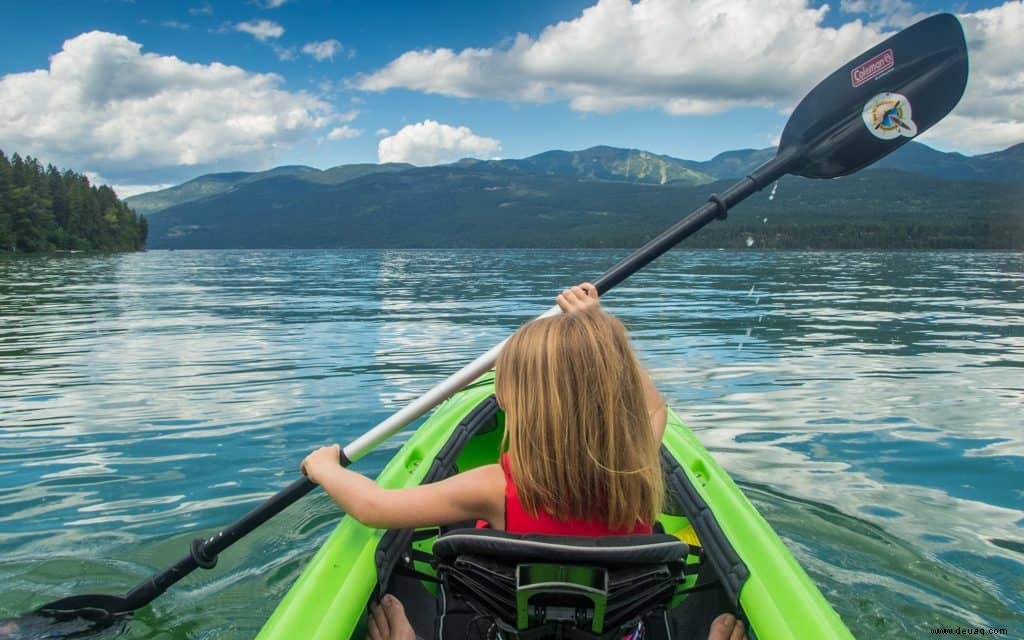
<point>750,241</point>
<point>748,331</point>
<point>775,187</point>
<point>764,220</point>
<point>751,292</point>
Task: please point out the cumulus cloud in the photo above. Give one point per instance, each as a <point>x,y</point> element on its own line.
<point>262,30</point>
<point>343,132</point>
<point>285,53</point>
<point>682,56</point>
<point>887,13</point>
<point>321,51</point>
<point>991,114</point>
<point>677,55</point>
<point>105,106</point>
<point>430,142</point>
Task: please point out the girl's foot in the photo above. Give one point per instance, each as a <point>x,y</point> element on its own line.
<point>388,621</point>
<point>727,627</point>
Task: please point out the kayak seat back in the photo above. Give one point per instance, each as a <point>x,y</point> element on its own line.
<point>534,586</point>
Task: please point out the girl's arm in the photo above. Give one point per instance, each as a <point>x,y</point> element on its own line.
<point>585,296</point>
<point>478,494</point>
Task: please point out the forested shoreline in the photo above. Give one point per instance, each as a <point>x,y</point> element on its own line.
<point>45,209</point>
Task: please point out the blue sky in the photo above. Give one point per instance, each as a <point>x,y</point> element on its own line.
<point>145,94</point>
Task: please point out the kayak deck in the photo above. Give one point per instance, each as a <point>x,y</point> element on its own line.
<point>749,569</point>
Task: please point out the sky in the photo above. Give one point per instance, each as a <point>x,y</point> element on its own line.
<point>144,94</point>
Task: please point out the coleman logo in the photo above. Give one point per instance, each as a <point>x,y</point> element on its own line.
<point>873,68</point>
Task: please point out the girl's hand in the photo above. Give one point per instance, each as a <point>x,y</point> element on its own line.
<point>321,459</point>
<point>578,298</point>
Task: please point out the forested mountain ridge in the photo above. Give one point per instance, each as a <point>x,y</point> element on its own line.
<point>46,209</point>
<point>603,163</point>
<point>491,204</point>
<point>216,183</point>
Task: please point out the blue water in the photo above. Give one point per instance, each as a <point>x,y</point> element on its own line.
<point>870,404</point>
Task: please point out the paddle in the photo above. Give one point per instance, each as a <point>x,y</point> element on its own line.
<point>863,111</point>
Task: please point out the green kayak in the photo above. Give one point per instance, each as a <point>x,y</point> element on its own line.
<point>733,561</point>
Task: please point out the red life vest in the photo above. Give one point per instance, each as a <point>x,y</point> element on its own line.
<point>519,520</point>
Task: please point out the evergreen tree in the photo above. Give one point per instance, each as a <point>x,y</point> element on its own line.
<point>42,209</point>
<point>7,239</point>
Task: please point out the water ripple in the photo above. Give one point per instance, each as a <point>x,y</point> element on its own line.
<point>869,403</point>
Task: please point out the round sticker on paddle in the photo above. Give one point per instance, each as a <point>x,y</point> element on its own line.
<point>887,116</point>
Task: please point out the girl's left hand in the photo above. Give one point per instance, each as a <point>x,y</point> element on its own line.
<point>322,458</point>
<point>579,298</point>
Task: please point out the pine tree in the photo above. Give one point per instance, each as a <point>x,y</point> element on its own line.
<point>44,209</point>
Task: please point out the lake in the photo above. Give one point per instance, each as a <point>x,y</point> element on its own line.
<point>870,405</point>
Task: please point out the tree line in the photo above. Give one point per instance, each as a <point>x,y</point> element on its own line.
<point>46,209</point>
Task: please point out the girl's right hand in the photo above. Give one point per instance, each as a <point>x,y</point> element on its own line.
<point>579,298</point>
<point>322,458</point>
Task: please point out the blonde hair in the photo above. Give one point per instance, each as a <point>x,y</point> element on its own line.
<point>576,424</point>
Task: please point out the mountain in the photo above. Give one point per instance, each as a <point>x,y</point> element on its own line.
<point>217,183</point>
<point>1002,166</point>
<point>606,164</point>
<point>610,163</point>
<point>916,198</point>
<point>490,204</point>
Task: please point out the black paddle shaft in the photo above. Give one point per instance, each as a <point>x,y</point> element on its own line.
<point>203,553</point>
<point>717,207</point>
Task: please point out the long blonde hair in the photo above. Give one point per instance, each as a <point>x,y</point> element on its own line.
<point>576,424</point>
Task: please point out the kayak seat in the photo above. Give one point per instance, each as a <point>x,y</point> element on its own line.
<point>535,586</point>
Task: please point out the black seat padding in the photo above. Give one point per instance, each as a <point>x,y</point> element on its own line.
<point>606,551</point>
<point>534,586</point>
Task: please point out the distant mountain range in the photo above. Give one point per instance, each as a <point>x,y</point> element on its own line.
<point>601,196</point>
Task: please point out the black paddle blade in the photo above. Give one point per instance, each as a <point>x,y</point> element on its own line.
<point>890,93</point>
<point>97,608</point>
<point>75,617</point>
<point>36,627</point>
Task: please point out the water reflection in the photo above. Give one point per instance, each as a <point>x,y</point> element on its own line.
<point>870,403</point>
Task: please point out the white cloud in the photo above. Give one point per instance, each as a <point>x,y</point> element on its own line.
<point>682,56</point>
<point>430,142</point>
<point>285,53</point>
<point>707,56</point>
<point>105,106</point>
<point>205,10</point>
<point>273,4</point>
<point>887,13</point>
<point>128,190</point>
<point>123,190</point>
<point>343,133</point>
<point>262,30</point>
<point>991,114</point>
<point>383,132</point>
<point>325,50</point>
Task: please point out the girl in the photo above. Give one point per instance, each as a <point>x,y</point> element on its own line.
<point>583,425</point>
